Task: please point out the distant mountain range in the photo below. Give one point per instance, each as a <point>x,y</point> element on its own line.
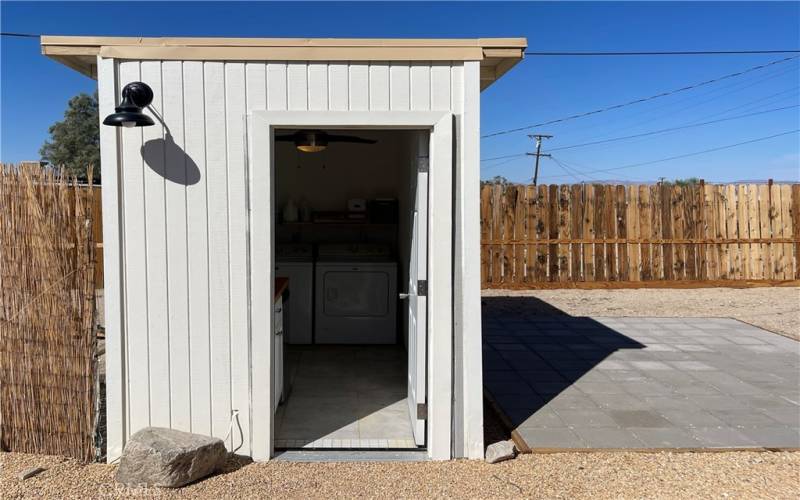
<point>619,182</point>
<point>741,181</point>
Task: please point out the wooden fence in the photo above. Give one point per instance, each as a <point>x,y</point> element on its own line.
<point>664,235</point>
<point>614,236</point>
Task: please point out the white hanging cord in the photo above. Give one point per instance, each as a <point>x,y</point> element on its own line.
<point>235,417</point>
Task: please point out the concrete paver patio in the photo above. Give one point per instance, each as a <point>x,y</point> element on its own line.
<point>572,382</point>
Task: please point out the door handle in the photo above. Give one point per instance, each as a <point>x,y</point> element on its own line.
<point>404,296</point>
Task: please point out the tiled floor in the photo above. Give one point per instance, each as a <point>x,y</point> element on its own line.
<point>347,397</point>
<point>569,382</point>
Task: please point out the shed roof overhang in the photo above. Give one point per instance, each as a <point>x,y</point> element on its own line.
<point>496,55</point>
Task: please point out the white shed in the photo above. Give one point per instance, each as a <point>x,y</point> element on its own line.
<point>357,162</point>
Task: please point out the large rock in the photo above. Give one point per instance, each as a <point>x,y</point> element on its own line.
<point>155,456</point>
<point>500,451</point>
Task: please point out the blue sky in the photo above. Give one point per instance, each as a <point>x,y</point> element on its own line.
<point>35,89</point>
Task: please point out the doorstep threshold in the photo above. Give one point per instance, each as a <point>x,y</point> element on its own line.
<point>351,455</point>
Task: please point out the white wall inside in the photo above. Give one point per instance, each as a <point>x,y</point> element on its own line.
<point>326,180</point>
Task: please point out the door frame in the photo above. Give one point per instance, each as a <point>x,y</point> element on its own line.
<point>261,176</point>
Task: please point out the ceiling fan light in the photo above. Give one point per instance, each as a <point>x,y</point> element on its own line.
<point>311,148</point>
<point>310,142</point>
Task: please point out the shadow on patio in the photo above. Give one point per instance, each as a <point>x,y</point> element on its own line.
<point>639,382</point>
<point>534,352</point>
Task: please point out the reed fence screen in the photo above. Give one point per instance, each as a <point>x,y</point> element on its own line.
<point>47,335</point>
<point>551,236</point>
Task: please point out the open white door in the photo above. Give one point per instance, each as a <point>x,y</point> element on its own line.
<point>417,294</point>
<point>429,381</point>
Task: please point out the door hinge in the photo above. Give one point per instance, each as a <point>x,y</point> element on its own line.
<point>422,411</point>
<point>422,288</point>
<point>422,164</point>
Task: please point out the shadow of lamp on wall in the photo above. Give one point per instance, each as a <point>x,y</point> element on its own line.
<point>168,160</point>
<point>162,155</point>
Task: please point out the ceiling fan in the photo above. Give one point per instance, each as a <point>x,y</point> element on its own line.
<point>314,141</point>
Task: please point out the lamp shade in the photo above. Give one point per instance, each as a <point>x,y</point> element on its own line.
<point>310,142</point>
<point>135,96</point>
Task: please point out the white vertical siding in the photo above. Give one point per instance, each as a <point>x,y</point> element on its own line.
<point>156,247</point>
<point>197,257</point>
<point>317,87</point>
<point>441,88</point>
<point>297,86</point>
<point>116,386</point>
<point>186,247</point>
<point>177,271</point>
<point>467,347</point>
<point>235,111</point>
<point>379,87</point>
<point>218,256</point>
<point>420,88</point>
<point>358,87</point>
<point>338,89</point>
<point>136,343</point>
<point>399,87</point>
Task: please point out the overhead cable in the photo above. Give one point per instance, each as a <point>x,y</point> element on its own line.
<point>643,99</point>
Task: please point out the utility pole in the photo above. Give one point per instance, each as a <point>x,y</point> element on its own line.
<point>538,154</point>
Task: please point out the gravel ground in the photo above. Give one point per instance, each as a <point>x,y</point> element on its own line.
<point>561,475</point>
<point>573,475</point>
<point>775,309</point>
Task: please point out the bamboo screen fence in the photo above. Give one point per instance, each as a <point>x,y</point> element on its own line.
<point>609,236</point>
<point>47,337</point>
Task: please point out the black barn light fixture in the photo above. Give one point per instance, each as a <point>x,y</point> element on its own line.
<point>135,96</point>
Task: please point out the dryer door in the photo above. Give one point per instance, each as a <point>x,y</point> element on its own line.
<point>355,292</point>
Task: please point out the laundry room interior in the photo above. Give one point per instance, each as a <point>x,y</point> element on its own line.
<point>345,204</point>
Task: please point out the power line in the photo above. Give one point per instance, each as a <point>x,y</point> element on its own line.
<point>573,166</point>
<point>665,53</point>
<point>758,102</point>
<point>672,129</point>
<point>643,99</point>
<point>489,167</point>
<point>695,153</point>
<point>504,156</point>
<point>645,134</point>
<point>19,35</point>
<point>736,87</point>
<point>566,169</point>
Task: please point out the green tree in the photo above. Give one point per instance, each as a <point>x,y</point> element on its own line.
<point>691,181</point>
<point>497,179</point>
<point>75,142</point>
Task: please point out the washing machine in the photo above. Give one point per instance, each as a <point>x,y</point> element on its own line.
<point>296,262</point>
<point>355,294</point>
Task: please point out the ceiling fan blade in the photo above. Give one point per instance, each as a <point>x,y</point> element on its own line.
<point>349,138</point>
